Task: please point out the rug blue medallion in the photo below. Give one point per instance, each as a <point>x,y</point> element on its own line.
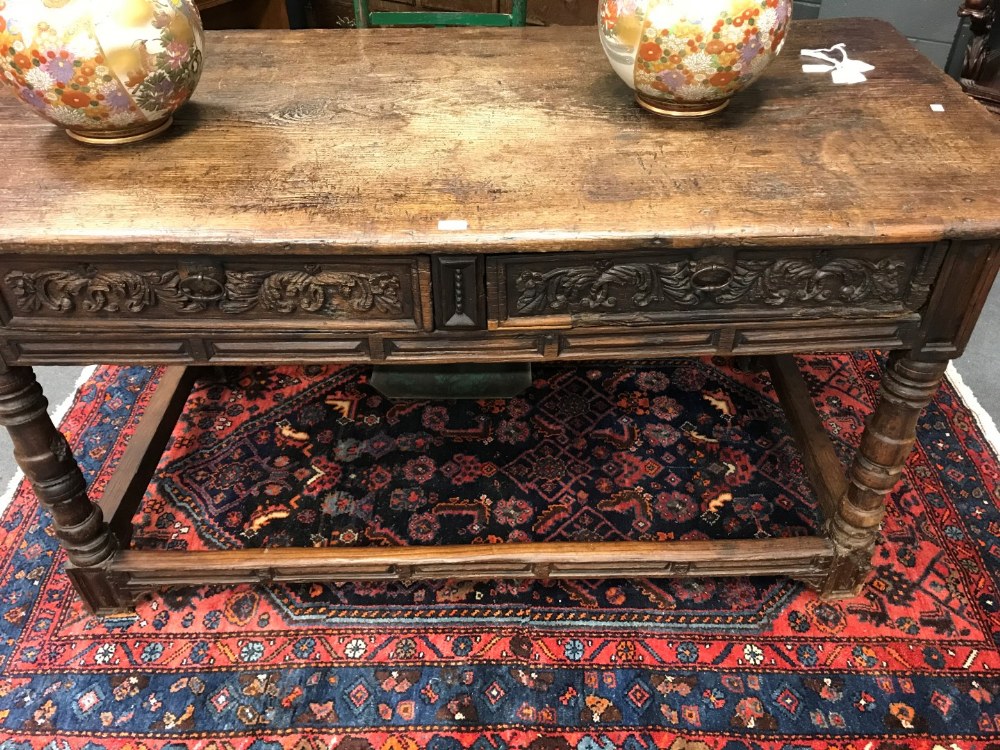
<point>645,451</point>
<point>316,457</point>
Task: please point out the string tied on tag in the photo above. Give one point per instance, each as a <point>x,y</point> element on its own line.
<point>838,64</point>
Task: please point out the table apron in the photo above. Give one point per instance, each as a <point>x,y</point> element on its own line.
<point>270,346</point>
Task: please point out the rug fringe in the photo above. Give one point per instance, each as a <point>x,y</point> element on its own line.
<point>57,417</point>
<point>982,417</point>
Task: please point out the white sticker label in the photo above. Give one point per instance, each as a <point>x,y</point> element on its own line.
<point>453,225</point>
<point>843,76</point>
<point>937,108</point>
<point>842,68</point>
<point>857,65</point>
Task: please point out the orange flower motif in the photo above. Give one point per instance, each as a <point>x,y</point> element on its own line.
<point>722,79</point>
<point>22,61</point>
<point>609,14</point>
<point>715,46</point>
<point>650,51</point>
<point>76,99</point>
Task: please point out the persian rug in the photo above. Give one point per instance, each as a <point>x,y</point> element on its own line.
<point>649,451</point>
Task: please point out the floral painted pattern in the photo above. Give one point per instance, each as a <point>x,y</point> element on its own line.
<point>128,68</point>
<point>692,52</point>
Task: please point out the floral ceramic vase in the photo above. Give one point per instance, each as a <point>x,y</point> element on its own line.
<point>109,71</point>
<point>686,58</point>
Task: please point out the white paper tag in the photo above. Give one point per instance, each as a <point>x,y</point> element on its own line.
<point>857,66</point>
<point>843,76</point>
<point>841,67</point>
<point>834,55</point>
<point>453,225</point>
<point>937,108</point>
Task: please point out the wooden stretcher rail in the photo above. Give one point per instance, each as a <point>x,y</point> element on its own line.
<point>804,558</point>
<point>124,492</point>
<point>823,466</point>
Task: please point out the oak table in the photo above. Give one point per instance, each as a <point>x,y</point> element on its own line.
<point>421,196</point>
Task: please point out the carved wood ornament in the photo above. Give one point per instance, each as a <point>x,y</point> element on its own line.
<point>311,290</point>
<point>688,283</point>
<point>982,15</point>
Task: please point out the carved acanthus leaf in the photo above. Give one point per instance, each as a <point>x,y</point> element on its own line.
<point>320,292</point>
<point>688,283</point>
<point>110,291</point>
<point>800,281</point>
<point>285,292</point>
<point>592,287</point>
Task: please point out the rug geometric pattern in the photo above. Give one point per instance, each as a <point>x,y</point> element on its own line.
<point>678,449</point>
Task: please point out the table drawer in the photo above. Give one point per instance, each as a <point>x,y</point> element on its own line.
<point>338,293</point>
<point>659,286</point>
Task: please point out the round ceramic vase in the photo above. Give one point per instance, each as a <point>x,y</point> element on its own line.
<point>686,58</point>
<point>109,71</point>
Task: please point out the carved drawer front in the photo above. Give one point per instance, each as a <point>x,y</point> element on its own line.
<point>338,293</point>
<point>649,287</point>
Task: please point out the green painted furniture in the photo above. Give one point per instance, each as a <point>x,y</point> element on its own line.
<point>365,18</point>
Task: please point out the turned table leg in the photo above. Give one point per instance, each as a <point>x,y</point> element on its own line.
<point>908,385</point>
<point>47,461</point>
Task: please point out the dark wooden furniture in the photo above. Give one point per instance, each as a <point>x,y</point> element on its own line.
<point>325,221</point>
<point>244,14</point>
<point>981,69</point>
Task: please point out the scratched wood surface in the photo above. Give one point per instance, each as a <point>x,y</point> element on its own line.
<point>338,141</point>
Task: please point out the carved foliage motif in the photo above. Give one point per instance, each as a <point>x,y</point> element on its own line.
<point>688,283</point>
<point>319,292</point>
<point>285,292</point>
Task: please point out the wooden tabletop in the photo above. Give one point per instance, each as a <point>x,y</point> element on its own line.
<point>338,141</point>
